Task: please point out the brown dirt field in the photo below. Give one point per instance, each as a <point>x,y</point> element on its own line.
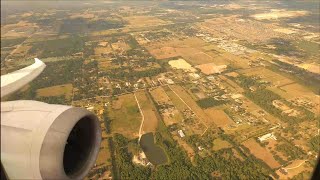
<point>101,50</point>
<point>196,58</point>
<point>189,48</point>
<point>64,89</point>
<point>104,153</point>
<point>150,123</point>
<point>218,117</point>
<point>160,95</point>
<point>261,153</point>
<point>164,52</point>
<point>143,21</point>
<point>272,144</point>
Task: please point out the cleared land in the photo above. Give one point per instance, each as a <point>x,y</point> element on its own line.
<point>170,115</point>
<point>261,153</point>
<point>104,153</point>
<point>276,14</point>
<point>150,123</point>
<point>65,89</point>
<point>181,64</point>
<point>125,116</point>
<point>190,49</point>
<point>220,144</point>
<point>296,167</point>
<point>211,68</point>
<point>143,21</point>
<point>268,75</point>
<point>218,117</point>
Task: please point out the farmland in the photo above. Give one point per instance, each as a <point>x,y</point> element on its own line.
<point>222,90</point>
<point>125,116</point>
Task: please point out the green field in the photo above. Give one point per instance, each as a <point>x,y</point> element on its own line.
<point>125,116</point>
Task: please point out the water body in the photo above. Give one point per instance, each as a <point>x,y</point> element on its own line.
<point>154,153</point>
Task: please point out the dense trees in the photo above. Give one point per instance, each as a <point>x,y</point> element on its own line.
<point>209,102</point>
<point>124,167</point>
<point>58,47</point>
<point>302,76</point>
<point>314,143</point>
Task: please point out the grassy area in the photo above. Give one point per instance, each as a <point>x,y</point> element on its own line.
<point>220,144</point>
<point>64,89</point>
<point>125,116</point>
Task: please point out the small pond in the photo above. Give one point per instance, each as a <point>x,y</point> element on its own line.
<point>154,153</point>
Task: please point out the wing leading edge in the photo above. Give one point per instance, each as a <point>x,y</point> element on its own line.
<point>13,81</point>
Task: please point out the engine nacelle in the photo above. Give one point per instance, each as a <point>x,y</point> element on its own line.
<point>45,141</point>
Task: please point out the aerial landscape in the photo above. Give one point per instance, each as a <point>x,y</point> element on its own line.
<point>183,89</point>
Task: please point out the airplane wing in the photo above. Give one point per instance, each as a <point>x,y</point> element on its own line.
<point>45,141</point>
<point>13,81</point>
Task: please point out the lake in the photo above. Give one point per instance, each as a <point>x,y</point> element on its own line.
<point>154,153</point>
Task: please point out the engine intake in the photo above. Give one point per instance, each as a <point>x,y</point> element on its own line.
<point>43,141</point>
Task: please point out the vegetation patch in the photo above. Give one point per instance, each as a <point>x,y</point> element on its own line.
<point>210,102</point>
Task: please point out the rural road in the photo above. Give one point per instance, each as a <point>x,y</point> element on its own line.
<point>189,109</point>
<point>141,125</point>
<point>295,166</point>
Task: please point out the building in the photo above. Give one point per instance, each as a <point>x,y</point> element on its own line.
<point>267,136</point>
<point>181,134</point>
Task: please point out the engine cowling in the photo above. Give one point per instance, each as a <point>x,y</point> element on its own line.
<point>45,141</point>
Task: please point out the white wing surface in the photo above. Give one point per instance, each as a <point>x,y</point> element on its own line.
<point>13,81</point>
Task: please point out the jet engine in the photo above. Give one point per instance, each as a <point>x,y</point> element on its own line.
<point>45,141</point>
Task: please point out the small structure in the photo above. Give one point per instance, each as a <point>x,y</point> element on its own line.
<point>181,134</point>
<point>169,81</point>
<point>267,136</point>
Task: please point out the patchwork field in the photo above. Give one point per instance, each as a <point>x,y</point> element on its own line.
<point>102,50</point>
<point>274,15</point>
<point>143,21</point>
<point>268,75</point>
<point>125,116</point>
<point>294,90</point>
<point>171,115</point>
<point>120,46</point>
<point>150,123</point>
<point>261,153</point>
<point>234,26</point>
<point>190,49</point>
<point>181,64</point>
<point>211,68</point>
<point>295,168</point>
<point>65,89</point>
<point>218,117</point>
<point>191,104</point>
